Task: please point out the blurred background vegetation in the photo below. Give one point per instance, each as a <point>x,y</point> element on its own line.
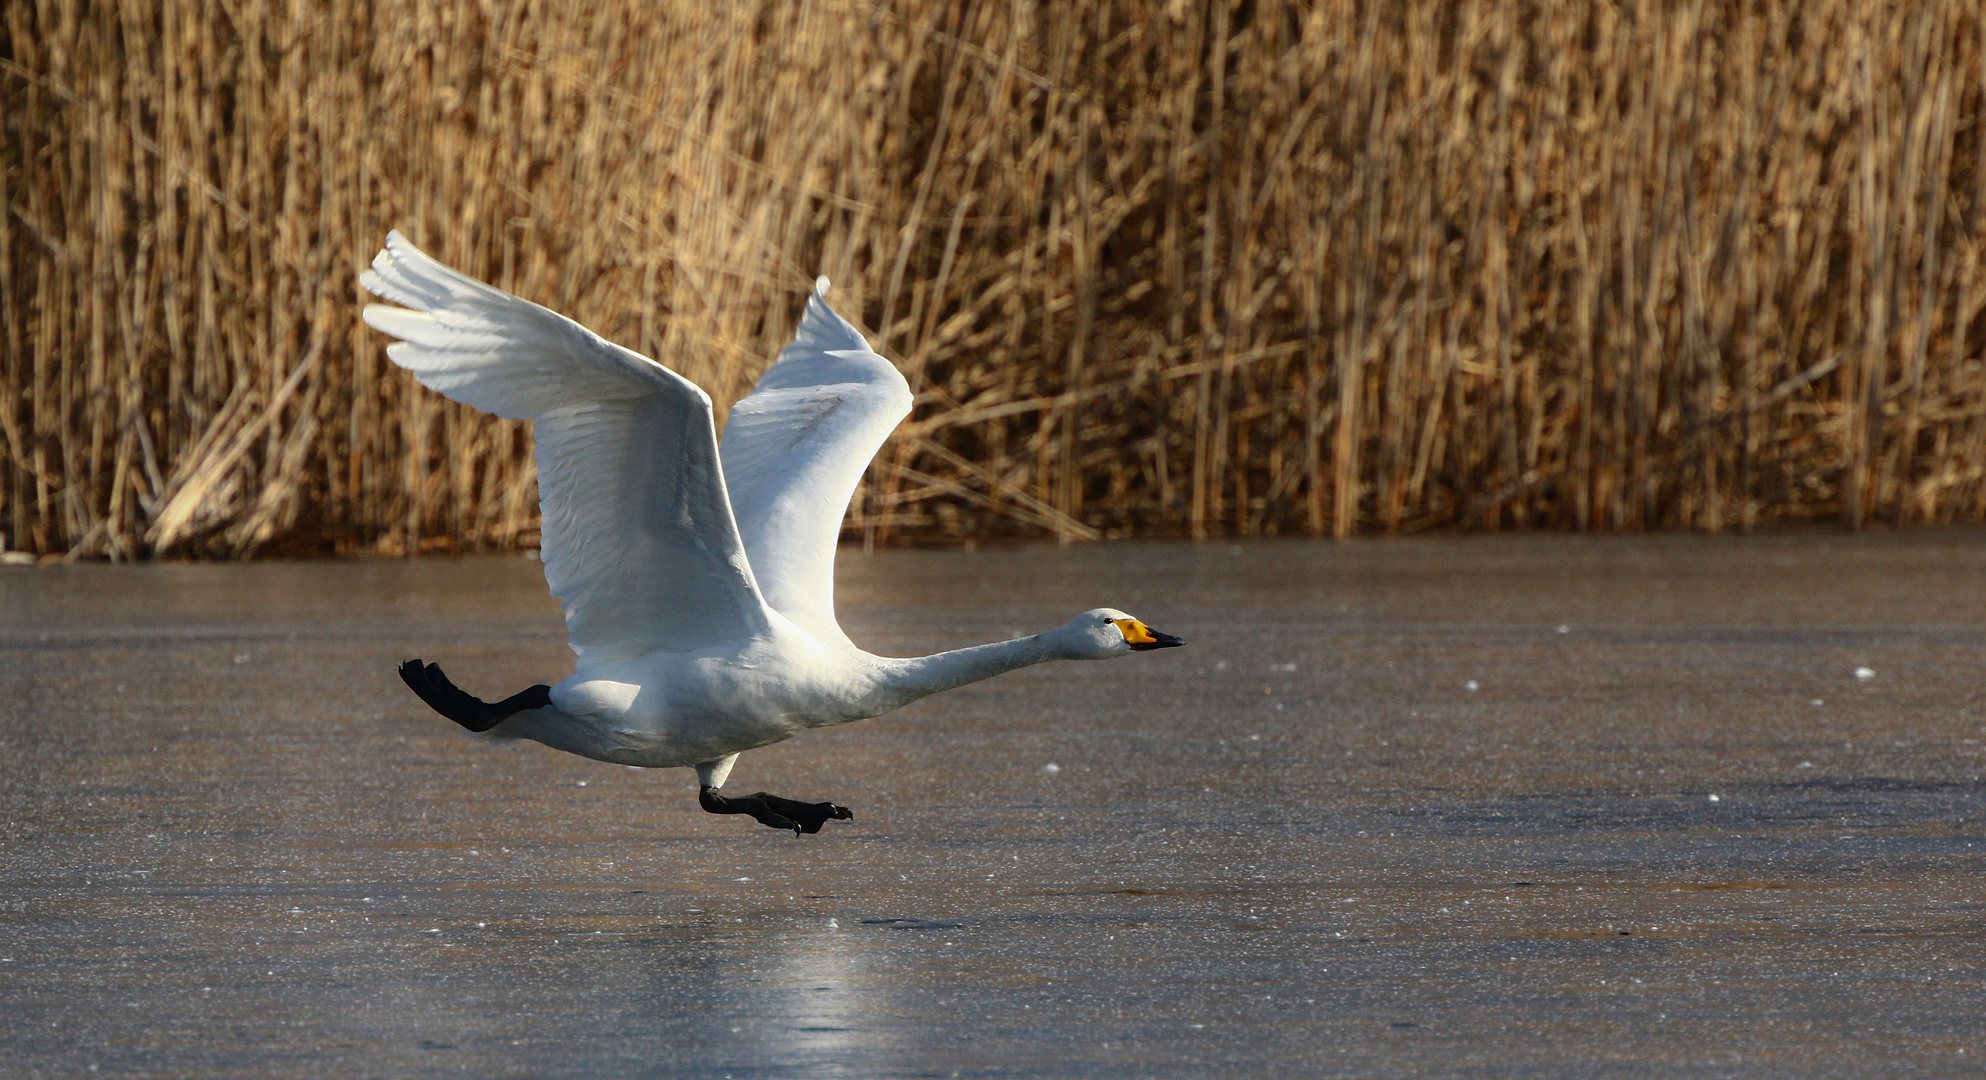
<point>1228,267</point>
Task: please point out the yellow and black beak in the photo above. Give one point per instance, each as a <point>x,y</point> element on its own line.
<point>1144,639</point>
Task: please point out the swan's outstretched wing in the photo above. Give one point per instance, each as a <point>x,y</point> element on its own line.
<point>639,543</point>
<point>794,451</point>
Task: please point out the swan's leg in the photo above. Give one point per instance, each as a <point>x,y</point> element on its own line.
<point>467,709</point>
<point>712,774</point>
<point>769,810</point>
<point>810,815</point>
<point>773,811</point>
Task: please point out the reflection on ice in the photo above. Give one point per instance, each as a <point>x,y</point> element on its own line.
<point>818,994</point>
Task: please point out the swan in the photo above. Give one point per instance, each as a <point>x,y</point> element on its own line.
<point>697,578</point>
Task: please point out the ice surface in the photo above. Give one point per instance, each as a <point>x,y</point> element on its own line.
<point>289,867</point>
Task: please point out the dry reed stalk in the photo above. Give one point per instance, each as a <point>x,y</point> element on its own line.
<point>1187,268</point>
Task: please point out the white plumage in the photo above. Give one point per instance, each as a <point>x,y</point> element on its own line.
<point>794,450</point>
<point>697,583</point>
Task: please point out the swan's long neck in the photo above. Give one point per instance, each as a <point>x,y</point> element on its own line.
<point>901,682</point>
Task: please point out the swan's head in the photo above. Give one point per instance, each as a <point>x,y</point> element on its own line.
<point>1101,633</point>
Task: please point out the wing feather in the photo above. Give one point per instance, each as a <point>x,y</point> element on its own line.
<point>794,450</point>
<point>639,542</point>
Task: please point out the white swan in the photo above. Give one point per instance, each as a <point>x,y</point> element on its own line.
<point>698,585</point>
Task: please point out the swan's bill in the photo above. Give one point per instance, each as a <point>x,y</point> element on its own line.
<point>1143,638</point>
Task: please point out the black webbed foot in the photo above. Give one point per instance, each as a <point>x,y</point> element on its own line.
<point>774,812</point>
<point>464,708</point>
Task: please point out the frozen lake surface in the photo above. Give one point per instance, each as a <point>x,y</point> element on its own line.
<point>1489,806</point>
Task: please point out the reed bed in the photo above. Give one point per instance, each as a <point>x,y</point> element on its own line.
<point>1168,268</point>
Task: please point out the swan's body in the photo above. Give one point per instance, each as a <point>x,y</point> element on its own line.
<point>698,585</point>
<point>668,709</point>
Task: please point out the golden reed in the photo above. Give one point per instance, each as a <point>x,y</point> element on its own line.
<point>1175,268</point>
